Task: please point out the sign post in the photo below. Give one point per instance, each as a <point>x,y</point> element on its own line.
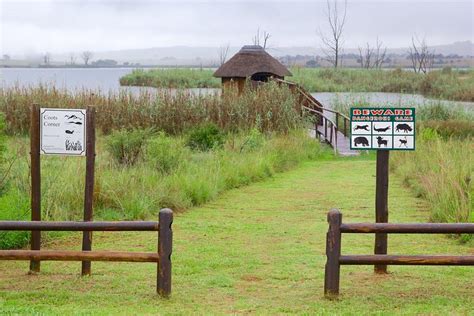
<point>35,170</point>
<point>382,129</point>
<point>66,132</point>
<point>381,205</point>
<point>89,186</point>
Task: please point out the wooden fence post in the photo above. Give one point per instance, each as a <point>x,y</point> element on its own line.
<point>381,206</point>
<point>35,265</point>
<point>333,252</point>
<point>89,185</point>
<point>165,245</point>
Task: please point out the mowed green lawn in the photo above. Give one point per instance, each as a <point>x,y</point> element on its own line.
<point>258,249</point>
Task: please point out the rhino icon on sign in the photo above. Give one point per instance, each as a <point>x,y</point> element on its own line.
<point>404,127</point>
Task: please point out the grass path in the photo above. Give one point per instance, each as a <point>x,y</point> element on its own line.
<point>259,249</point>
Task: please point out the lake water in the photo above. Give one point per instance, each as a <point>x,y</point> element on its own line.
<point>107,80</point>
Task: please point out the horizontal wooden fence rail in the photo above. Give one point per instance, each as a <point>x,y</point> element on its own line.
<point>80,226</point>
<point>162,257</point>
<point>335,259</point>
<point>54,255</point>
<point>409,228</point>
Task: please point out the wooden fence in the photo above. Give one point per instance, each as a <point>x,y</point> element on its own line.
<point>162,257</point>
<point>335,259</point>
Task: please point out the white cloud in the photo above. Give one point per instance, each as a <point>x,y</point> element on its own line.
<point>63,26</point>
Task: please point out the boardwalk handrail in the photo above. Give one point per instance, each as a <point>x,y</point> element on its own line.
<point>333,127</point>
<point>319,108</point>
<point>335,259</point>
<point>162,257</point>
<point>310,97</point>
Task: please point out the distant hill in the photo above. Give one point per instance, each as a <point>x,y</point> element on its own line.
<point>206,55</point>
<point>176,55</point>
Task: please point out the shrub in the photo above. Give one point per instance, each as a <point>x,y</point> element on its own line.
<point>447,70</point>
<point>205,137</point>
<point>166,153</point>
<point>127,146</point>
<point>253,141</point>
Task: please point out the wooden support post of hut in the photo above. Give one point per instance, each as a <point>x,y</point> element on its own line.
<point>253,63</point>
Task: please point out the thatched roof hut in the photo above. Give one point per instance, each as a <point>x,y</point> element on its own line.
<point>251,62</point>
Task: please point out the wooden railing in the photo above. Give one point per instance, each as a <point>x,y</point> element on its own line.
<point>320,119</point>
<point>162,257</point>
<point>308,101</point>
<point>335,259</point>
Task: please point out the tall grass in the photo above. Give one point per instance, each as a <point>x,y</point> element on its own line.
<point>440,171</point>
<point>269,108</point>
<point>450,85</point>
<point>171,78</point>
<point>138,191</point>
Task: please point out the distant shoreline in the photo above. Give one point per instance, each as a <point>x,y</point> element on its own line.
<point>194,67</point>
<point>112,67</point>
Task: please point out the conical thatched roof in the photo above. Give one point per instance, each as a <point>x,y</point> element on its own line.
<point>251,59</point>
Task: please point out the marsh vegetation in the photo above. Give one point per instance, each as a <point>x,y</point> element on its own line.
<point>154,151</point>
<point>440,84</point>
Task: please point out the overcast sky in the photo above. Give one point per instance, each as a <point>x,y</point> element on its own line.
<point>60,26</point>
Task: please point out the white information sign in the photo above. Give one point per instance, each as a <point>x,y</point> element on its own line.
<point>63,132</point>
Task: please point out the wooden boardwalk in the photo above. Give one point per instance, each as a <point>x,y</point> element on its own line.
<point>333,126</point>
<point>343,146</point>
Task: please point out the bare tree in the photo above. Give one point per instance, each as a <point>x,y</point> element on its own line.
<point>372,57</point>
<point>72,59</point>
<point>86,56</point>
<point>223,51</point>
<point>421,56</point>
<point>365,57</point>
<point>332,43</point>
<point>379,54</point>
<point>47,58</point>
<point>261,39</point>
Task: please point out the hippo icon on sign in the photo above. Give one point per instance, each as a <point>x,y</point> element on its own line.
<point>404,127</point>
<point>361,141</point>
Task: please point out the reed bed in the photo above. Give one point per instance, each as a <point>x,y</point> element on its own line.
<point>442,84</point>
<point>446,84</point>
<point>171,78</point>
<point>269,108</point>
